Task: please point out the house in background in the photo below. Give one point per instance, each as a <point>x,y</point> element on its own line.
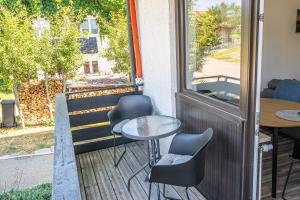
<point>92,45</point>
<point>92,48</point>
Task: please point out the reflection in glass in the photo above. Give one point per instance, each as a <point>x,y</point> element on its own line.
<point>213,31</point>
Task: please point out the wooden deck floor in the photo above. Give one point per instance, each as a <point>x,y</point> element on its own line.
<point>285,148</point>
<point>100,180</point>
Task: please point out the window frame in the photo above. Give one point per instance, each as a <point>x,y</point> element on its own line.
<point>241,109</point>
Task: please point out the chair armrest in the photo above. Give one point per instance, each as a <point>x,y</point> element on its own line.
<point>114,117</point>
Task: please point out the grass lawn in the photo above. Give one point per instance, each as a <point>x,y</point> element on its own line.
<point>228,55</point>
<point>26,143</point>
<point>40,192</point>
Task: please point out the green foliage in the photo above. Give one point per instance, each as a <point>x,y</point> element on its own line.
<point>229,16</point>
<point>118,50</point>
<point>206,37</point>
<point>5,85</point>
<point>103,9</point>
<point>109,13</point>
<point>50,122</point>
<point>40,192</point>
<point>45,55</point>
<point>67,57</point>
<point>17,47</point>
<point>206,25</point>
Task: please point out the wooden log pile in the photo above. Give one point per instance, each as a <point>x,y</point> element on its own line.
<point>33,101</point>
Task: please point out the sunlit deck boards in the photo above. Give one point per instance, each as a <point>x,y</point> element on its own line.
<point>285,148</point>
<point>100,180</point>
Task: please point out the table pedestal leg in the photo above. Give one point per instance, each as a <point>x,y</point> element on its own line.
<point>274,162</point>
<point>153,157</point>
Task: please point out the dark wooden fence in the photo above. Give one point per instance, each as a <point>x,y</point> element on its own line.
<point>88,116</point>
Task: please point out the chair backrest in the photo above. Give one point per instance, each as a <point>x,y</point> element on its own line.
<point>194,145</point>
<point>191,145</point>
<point>200,155</point>
<point>132,106</point>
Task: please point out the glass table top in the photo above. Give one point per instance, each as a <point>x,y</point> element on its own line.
<point>151,127</point>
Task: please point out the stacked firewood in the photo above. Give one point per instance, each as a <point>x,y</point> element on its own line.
<point>33,101</point>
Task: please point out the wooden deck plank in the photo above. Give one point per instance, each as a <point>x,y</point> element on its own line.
<point>90,184</point>
<point>112,182</point>
<point>114,176</point>
<point>136,189</point>
<point>82,190</point>
<point>108,176</point>
<point>106,189</point>
<point>135,165</point>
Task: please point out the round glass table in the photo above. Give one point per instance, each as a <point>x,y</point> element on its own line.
<point>150,129</point>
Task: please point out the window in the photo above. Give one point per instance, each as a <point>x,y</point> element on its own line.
<point>95,66</point>
<point>90,26</point>
<point>94,27</point>
<point>84,26</point>
<point>86,68</point>
<point>213,46</point>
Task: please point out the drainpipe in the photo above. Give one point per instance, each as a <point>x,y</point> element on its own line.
<point>136,44</point>
<point>130,43</point>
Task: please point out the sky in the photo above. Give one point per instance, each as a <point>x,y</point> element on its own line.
<point>203,5</point>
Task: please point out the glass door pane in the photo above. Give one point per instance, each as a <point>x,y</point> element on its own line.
<point>213,48</point>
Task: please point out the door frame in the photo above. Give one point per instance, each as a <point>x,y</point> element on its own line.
<point>247,109</point>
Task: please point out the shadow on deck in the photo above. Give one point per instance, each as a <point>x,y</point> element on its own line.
<point>100,180</point>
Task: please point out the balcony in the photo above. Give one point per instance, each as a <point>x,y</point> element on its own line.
<point>83,164</point>
<point>99,179</point>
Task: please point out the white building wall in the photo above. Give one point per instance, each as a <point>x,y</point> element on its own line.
<point>281,44</point>
<point>156,23</point>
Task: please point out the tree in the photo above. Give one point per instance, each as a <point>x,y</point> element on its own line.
<point>118,50</point>
<point>17,51</point>
<point>205,36</point>
<point>45,63</point>
<point>229,15</point>
<point>67,57</point>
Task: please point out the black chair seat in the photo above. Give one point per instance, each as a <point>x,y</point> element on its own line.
<point>173,159</point>
<point>117,129</point>
<point>184,164</point>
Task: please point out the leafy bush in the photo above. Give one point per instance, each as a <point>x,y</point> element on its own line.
<point>40,192</point>
<point>49,122</point>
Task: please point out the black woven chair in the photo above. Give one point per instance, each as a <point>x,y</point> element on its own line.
<point>129,107</point>
<point>295,155</point>
<point>184,164</point>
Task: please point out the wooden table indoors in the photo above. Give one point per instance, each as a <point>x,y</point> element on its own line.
<point>268,118</point>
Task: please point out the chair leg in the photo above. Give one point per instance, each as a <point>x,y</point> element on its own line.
<point>158,192</point>
<point>187,193</point>
<point>149,196</point>
<point>165,196</point>
<point>116,162</point>
<point>287,179</point>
